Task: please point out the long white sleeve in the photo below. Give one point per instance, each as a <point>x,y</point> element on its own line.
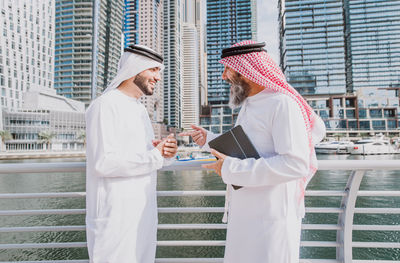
<point>290,160</point>
<point>210,136</point>
<point>109,159</point>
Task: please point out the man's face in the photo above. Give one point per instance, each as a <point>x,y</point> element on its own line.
<point>240,88</point>
<point>147,79</point>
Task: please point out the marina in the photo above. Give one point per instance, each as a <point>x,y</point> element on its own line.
<point>352,211</point>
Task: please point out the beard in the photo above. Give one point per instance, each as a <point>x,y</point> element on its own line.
<point>143,85</point>
<point>239,92</point>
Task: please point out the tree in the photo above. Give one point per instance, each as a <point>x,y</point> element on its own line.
<point>46,137</point>
<point>5,136</point>
<point>81,136</point>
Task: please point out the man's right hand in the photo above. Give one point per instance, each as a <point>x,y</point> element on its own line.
<point>199,135</point>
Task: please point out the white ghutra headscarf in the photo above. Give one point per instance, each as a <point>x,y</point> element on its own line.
<point>132,64</point>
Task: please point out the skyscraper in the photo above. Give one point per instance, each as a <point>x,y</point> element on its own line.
<point>143,25</point>
<point>228,22</point>
<point>131,22</point>
<point>26,48</point>
<point>330,47</point>
<point>173,62</point>
<point>191,74</point>
<point>84,65</point>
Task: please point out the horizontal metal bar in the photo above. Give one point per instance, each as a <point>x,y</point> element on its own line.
<point>190,243</point>
<point>197,260</point>
<point>43,245</point>
<point>42,195</point>
<point>377,227</point>
<point>376,244</point>
<point>50,261</point>
<point>195,165</point>
<point>188,260</point>
<point>320,227</point>
<point>325,193</point>
<point>319,244</point>
<point>332,210</point>
<point>378,193</point>
<point>42,229</point>
<point>191,210</point>
<point>377,210</point>
<point>160,210</point>
<point>178,243</point>
<point>188,193</point>
<point>197,226</point>
<point>191,193</point>
<point>68,167</point>
<point>42,212</point>
<point>358,165</point>
<point>159,193</point>
<point>191,226</point>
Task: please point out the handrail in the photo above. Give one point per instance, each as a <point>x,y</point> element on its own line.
<point>194,165</point>
<point>345,212</point>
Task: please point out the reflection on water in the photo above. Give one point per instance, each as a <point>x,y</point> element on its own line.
<point>191,180</point>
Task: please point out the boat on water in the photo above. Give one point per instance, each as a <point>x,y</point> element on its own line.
<point>333,147</point>
<point>374,145</point>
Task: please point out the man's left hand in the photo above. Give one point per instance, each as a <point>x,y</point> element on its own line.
<point>217,166</point>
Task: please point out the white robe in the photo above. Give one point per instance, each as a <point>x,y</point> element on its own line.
<point>121,174</point>
<point>264,217</point>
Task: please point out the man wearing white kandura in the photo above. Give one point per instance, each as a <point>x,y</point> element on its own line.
<point>122,163</point>
<point>264,216</point>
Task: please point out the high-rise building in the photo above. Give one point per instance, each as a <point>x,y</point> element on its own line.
<point>190,76</point>
<point>131,22</point>
<point>26,49</point>
<point>172,75</point>
<point>143,25</point>
<point>194,13</point>
<point>339,46</point>
<point>194,82</point>
<point>88,46</point>
<point>228,22</point>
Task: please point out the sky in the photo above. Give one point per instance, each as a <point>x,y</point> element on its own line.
<point>268,26</point>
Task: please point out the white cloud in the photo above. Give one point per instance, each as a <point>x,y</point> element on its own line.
<point>268,26</point>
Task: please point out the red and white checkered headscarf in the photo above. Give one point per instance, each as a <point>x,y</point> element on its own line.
<point>262,70</point>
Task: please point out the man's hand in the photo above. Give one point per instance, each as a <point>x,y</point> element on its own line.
<point>217,166</point>
<point>155,142</point>
<point>168,147</point>
<point>199,135</point>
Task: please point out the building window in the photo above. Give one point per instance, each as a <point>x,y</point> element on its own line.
<point>378,125</point>
<point>375,113</point>
<point>364,125</point>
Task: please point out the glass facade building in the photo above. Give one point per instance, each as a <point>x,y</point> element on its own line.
<point>339,46</point>
<point>172,74</point>
<point>131,22</point>
<point>75,28</point>
<point>228,22</point>
<point>374,43</point>
<point>142,25</point>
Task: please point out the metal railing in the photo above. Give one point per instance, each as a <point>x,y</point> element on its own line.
<point>344,244</point>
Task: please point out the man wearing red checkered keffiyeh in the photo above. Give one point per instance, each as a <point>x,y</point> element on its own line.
<point>264,216</point>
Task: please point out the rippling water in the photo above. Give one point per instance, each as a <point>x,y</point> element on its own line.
<point>191,180</point>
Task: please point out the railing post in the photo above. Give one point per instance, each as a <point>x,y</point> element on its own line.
<point>344,252</point>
